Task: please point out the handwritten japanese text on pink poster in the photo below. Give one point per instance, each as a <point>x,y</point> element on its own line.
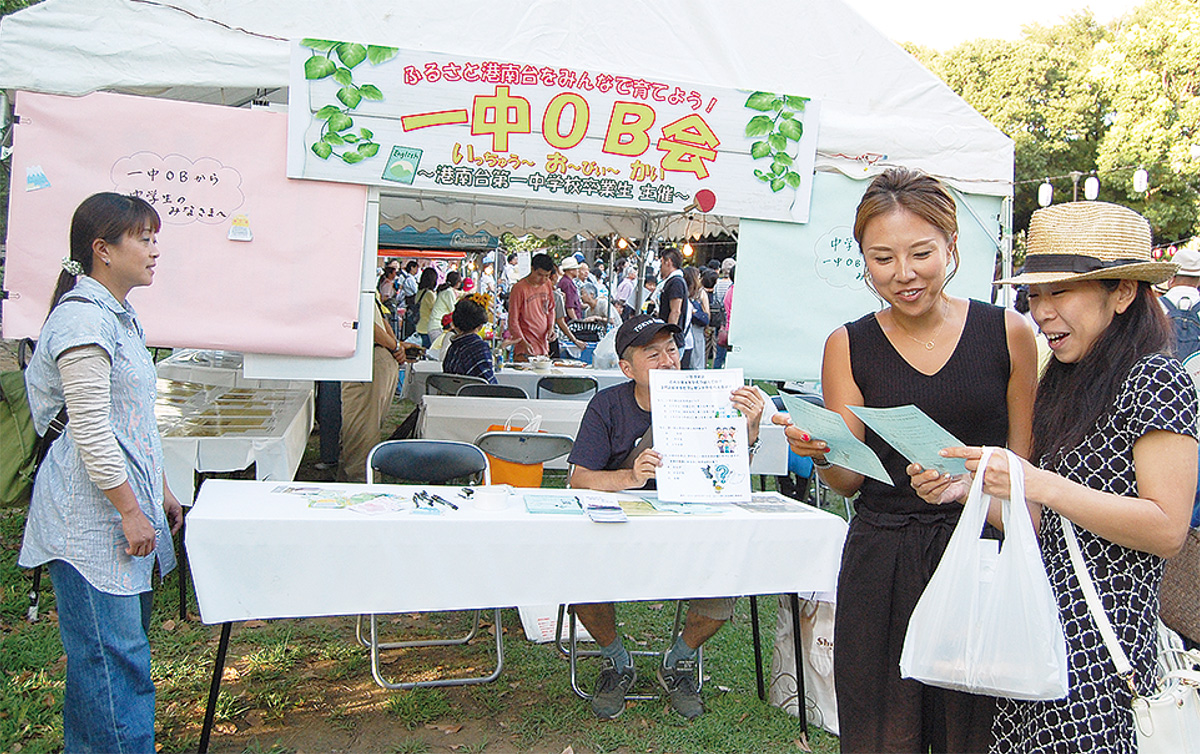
<point>424,121</point>
<point>249,260</point>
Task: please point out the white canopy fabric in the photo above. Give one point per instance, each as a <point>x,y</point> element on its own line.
<point>878,105</point>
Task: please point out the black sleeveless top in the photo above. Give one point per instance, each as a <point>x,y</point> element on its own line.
<point>968,396</point>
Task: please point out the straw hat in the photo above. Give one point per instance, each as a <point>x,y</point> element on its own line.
<point>1089,241</point>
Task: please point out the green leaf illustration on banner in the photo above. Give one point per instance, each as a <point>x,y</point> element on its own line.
<point>782,132</point>
<point>759,125</point>
<point>320,45</point>
<point>338,59</point>
<point>318,67</point>
<point>761,101</point>
<point>349,96</point>
<point>351,53</point>
<point>377,55</point>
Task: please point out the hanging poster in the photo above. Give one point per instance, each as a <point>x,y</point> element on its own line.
<point>249,260</point>
<point>415,120</point>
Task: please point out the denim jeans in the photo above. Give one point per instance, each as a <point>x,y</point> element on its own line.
<point>719,352</point>
<point>109,703</point>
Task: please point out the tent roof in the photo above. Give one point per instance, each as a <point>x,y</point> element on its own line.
<point>879,106</point>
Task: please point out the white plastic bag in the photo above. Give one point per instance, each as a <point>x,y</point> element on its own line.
<point>986,630</point>
<point>605,355</point>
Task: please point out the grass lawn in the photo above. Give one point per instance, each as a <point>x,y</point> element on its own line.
<point>305,685</point>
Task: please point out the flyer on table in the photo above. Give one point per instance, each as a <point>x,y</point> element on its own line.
<point>701,436</point>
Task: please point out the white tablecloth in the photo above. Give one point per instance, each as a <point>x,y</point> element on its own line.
<point>220,428</point>
<point>526,379</point>
<point>452,417</point>
<point>258,554</point>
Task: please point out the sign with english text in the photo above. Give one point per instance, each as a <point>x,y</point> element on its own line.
<point>412,120</point>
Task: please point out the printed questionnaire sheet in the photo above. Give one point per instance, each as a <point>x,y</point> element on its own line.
<point>701,436</point>
<point>845,449</point>
<point>920,439</point>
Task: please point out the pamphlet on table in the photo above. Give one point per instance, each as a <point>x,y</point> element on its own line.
<point>701,436</point>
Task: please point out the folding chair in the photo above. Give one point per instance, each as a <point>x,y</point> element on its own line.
<point>576,388</point>
<point>526,449</point>
<point>572,652</point>
<point>442,383</point>
<point>428,462</point>
<point>493,391</point>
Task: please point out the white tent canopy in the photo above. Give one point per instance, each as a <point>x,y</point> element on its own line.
<point>878,105</point>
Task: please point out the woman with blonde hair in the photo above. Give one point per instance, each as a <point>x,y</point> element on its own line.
<point>968,365</point>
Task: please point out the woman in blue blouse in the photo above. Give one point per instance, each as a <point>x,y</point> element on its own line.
<point>101,513</point>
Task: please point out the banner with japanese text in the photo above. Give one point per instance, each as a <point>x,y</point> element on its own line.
<point>405,119</point>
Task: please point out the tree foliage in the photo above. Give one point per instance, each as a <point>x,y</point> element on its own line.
<point>1082,98</point>
<point>1151,69</point>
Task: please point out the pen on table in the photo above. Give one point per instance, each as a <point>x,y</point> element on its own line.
<point>443,501</point>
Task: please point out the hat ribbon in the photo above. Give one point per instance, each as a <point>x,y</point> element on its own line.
<point>1073,263</point>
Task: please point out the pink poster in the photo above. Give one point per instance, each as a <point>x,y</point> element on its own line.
<point>250,260</point>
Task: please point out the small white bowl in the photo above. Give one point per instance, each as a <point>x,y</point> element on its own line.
<point>492,498</point>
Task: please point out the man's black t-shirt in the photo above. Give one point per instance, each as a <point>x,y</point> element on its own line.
<point>612,425</point>
<point>673,288</point>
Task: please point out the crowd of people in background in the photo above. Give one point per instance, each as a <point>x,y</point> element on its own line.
<point>561,308</point>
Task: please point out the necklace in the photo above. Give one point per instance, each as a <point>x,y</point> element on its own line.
<point>932,342</point>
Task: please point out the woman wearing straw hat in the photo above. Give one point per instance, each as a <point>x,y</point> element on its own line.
<point>971,367</point>
<point>1114,452</point>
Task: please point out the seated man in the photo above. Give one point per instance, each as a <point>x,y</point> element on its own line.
<point>613,452</point>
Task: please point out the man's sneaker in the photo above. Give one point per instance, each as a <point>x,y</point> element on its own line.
<point>680,683</point>
<point>608,700</point>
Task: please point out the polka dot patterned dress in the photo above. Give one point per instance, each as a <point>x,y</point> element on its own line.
<point>1095,717</point>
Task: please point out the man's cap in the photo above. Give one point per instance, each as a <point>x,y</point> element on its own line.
<point>728,263</point>
<point>639,331</point>
<point>568,263</point>
<point>1188,259</point>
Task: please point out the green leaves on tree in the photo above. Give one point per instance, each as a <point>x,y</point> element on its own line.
<point>336,137</point>
<point>779,131</point>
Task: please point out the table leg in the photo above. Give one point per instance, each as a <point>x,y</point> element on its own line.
<point>798,646</point>
<point>758,670</point>
<point>214,688</point>
<point>182,565</point>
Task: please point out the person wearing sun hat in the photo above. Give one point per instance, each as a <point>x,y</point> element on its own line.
<point>1114,458</point>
